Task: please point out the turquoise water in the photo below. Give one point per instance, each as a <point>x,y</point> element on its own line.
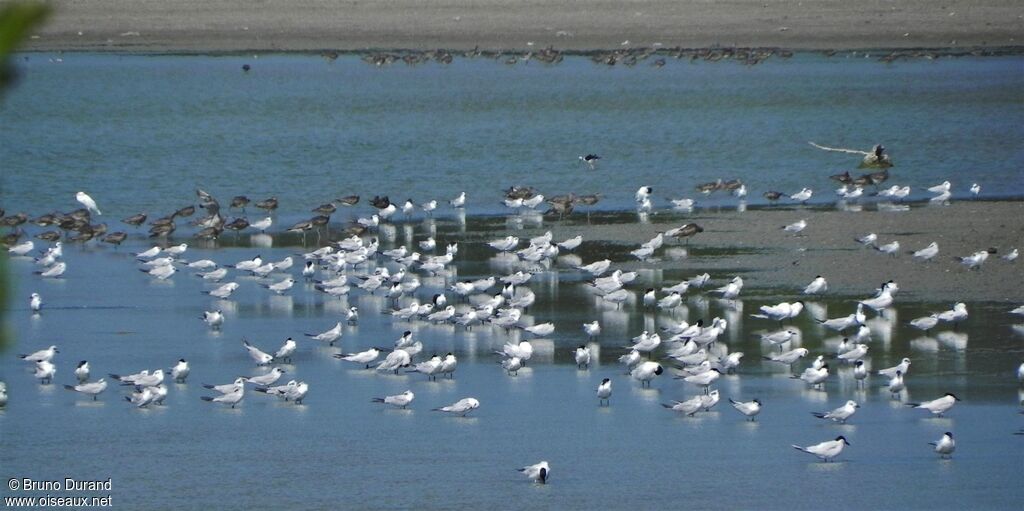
<point>308,131</point>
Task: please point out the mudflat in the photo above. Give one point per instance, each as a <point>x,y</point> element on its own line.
<point>312,25</point>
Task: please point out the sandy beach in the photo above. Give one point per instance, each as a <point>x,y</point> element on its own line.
<point>751,244</point>
<point>313,25</point>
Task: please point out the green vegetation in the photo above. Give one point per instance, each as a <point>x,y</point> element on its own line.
<point>17,20</point>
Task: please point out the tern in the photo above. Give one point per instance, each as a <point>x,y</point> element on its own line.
<point>232,398</point>
<point>926,253</point>
<point>827,450</point>
<point>902,367</point>
<point>90,389</point>
<point>892,249</point>
<point>896,384</point>
<point>945,445</point>
<point>814,377</point>
<point>582,357</point>
<point>363,357</point>
<point>841,324</point>
<point>214,319</point>
<point>82,372</point>
<point>448,365</point>
<point>431,368</point>
<point>802,196</point>
<point>394,361</point>
<point>604,392</point>
<point>789,357</point>
<point>592,329</point>
<point>925,323</point>
<point>972,261</point>
<point>329,336</point>
<point>460,407</point>
<point>937,406</point>
<point>630,360</point>
<point>282,286</point>
<point>731,290</point>
<point>856,353</point>
<point>868,239</point>
<point>227,388</point>
<point>541,330</point>
<point>646,371</point>
<point>940,188</point>
<point>781,311</point>
<point>955,315</point>
<point>779,338</point>
<point>840,414</point>
<point>260,357</point>
<point>180,371</point>
<point>817,286</point>
<point>795,227</point>
<point>688,407</point>
<point>398,400</point>
<point>142,398</point>
<point>268,378</point>
<point>880,302</point>
<point>44,372</point>
<point>704,379</point>
<point>512,365</point>
<point>748,408</point>
<point>224,291</point>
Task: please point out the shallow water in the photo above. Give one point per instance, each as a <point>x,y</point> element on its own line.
<point>339,449</point>
<point>143,131</point>
<point>140,133</point>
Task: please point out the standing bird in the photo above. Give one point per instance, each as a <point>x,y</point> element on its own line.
<point>646,371</point>
<point>817,286</point>
<point>257,355</point>
<point>90,389</point>
<point>826,451</point>
<point>82,372</point>
<point>945,445</point>
<point>604,392</point>
<point>87,201</point>
<point>460,407</point>
<point>840,414</point>
<point>398,400</point>
<point>796,227</point>
<point>180,371</point>
<point>582,357</point>
<point>213,318</point>
<point>937,406</point>
<point>35,302</point>
<point>748,408</point>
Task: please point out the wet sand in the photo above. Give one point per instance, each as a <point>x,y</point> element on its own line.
<point>752,244</point>
<point>313,25</point>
